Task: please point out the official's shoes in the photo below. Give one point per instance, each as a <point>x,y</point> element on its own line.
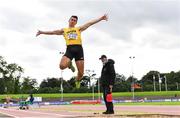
<point>105,112</point>
<point>111,112</point>
<point>71,66</point>
<point>108,112</point>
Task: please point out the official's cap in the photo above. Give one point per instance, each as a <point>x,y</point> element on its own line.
<point>102,56</point>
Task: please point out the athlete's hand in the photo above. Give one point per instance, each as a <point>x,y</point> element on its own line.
<point>110,87</point>
<point>104,17</point>
<point>38,33</point>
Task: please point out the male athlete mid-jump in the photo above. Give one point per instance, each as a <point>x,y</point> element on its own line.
<point>74,48</point>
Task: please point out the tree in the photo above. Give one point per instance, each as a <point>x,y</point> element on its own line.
<point>53,85</point>
<point>12,77</point>
<point>28,85</point>
<point>50,82</point>
<point>3,64</point>
<point>43,84</point>
<point>120,83</point>
<point>147,80</point>
<point>11,73</point>
<point>131,81</point>
<point>173,80</point>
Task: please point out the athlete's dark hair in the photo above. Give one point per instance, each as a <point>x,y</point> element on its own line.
<point>75,17</point>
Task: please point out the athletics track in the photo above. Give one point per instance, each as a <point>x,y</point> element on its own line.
<point>90,111</point>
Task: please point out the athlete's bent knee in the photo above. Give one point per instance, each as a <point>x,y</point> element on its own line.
<point>62,67</point>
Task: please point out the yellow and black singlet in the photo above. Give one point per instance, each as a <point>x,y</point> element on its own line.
<point>72,36</point>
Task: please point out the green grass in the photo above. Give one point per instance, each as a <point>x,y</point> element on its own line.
<point>89,95</point>
<point>150,103</point>
<point>145,94</point>
<point>115,94</point>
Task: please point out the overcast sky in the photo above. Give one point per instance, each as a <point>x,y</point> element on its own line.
<point>146,29</point>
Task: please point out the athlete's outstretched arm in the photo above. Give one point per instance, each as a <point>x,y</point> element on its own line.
<point>55,32</point>
<point>85,26</point>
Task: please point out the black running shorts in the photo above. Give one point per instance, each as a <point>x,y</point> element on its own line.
<point>74,51</point>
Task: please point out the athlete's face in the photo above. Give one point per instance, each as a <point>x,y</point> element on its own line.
<point>104,60</point>
<point>72,21</point>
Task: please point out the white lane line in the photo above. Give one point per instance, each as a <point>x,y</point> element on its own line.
<point>8,114</point>
<point>35,112</point>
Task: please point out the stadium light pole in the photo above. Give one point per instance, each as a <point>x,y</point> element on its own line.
<point>177,86</point>
<point>165,82</point>
<point>91,75</point>
<point>1,75</point>
<point>99,98</point>
<point>132,86</point>
<point>61,80</point>
<point>154,83</point>
<point>62,90</point>
<point>159,82</point>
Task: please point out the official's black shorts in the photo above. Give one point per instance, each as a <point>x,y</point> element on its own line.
<point>74,51</point>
